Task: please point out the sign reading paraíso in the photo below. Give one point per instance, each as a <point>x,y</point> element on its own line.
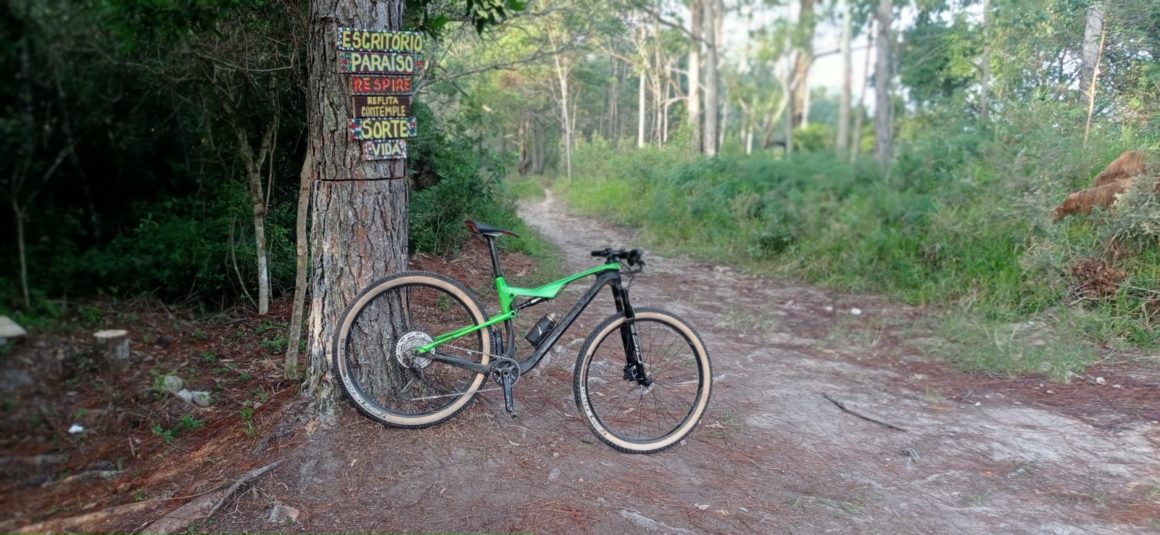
<point>379,62</point>
<point>382,106</point>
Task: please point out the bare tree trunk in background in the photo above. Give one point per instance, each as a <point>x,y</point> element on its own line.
<point>860,113</point>
<point>301,256</point>
<point>801,69</point>
<point>359,221</point>
<point>713,11</point>
<point>613,131</point>
<point>562,77</point>
<point>694,98</point>
<point>641,113</point>
<point>258,206</point>
<point>985,67</point>
<point>1092,89</point>
<point>842,145</point>
<point>1092,31</point>
<point>883,133</point>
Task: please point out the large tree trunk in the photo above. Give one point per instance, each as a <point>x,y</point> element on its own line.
<point>359,222</point>
<point>694,98</point>
<point>883,133</point>
<point>847,83</point>
<point>713,11</point>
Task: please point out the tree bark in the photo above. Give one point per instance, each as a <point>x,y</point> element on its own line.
<point>302,252</point>
<point>696,131</point>
<point>883,133</point>
<point>801,69</point>
<point>712,102</point>
<point>843,138</point>
<point>1092,31</point>
<point>359,217</point>
<point>860,112</point>
<point>985,66</point>
<point>562,76</point>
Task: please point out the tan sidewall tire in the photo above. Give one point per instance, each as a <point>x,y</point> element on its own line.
<point>607,328</point>
<point>374,290</point>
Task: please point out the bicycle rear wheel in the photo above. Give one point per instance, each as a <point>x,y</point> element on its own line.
<point>374,349</point>
<point>622,412</point>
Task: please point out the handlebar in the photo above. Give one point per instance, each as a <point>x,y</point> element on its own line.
<point>633,257</point>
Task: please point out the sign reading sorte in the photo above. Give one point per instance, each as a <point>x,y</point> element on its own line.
<point>381,102</point>
<point>395,128</point>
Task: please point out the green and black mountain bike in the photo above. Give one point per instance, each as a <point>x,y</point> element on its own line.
<point>414,348</point>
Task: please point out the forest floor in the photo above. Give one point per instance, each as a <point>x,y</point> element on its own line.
<point>966,453</point>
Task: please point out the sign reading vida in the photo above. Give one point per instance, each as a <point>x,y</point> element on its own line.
<point>369,84</point>
<point>393,128</point>
<point>385,149</point>
<point>379,41</point>
<point>382,106</point>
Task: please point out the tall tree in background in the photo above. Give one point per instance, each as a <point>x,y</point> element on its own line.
<point>696,13</point>
<point>847,82</point>
<point>1093,30</point>
<point>883,130</point>
<point>799,80</point>
<point>985,65</point>
<point>712,13</point>
<point>359,215</point>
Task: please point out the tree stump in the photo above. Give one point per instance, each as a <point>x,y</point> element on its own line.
<point>113,346</point>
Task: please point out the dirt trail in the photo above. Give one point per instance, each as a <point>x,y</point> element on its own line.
<point>772,455</point>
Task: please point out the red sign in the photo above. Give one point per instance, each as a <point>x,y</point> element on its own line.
<point>385,149</point>
<point>369,84</point>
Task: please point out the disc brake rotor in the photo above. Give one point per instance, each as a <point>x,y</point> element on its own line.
<point>405,350</point>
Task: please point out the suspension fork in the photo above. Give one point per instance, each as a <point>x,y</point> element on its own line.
<point>633,363</point>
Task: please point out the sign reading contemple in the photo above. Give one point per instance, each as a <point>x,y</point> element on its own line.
<point>379,62</point>
<point>379,41</point>
<point>382,106</point>
<point>385,149</point>
<point>369,84</point>
<point>393,128</point>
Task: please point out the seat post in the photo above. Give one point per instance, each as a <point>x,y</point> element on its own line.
<point>494,257</point>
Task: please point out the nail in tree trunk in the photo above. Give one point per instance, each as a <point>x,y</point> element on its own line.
<point>359,216</point>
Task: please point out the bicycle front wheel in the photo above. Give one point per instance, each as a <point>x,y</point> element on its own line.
<point>635,417</point>
<point>375,357</point>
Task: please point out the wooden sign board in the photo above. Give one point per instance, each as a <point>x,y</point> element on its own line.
<point>369,84</point>
<point>390,128</point>
<point>379,62</point>
<point>379,41</point>
<point>370,106</point>
<point>385,149</point>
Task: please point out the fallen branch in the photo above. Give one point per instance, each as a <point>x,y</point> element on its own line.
<point>862,416</point>
<point>204,506</point>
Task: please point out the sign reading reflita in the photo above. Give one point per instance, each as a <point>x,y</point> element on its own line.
<point>382,106</point>
<point>385,149</point>
<point>380,63</point>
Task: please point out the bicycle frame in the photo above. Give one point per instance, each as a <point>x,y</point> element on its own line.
<point>608,274</point>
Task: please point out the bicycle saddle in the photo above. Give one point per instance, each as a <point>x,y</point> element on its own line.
<point>488,230</point>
